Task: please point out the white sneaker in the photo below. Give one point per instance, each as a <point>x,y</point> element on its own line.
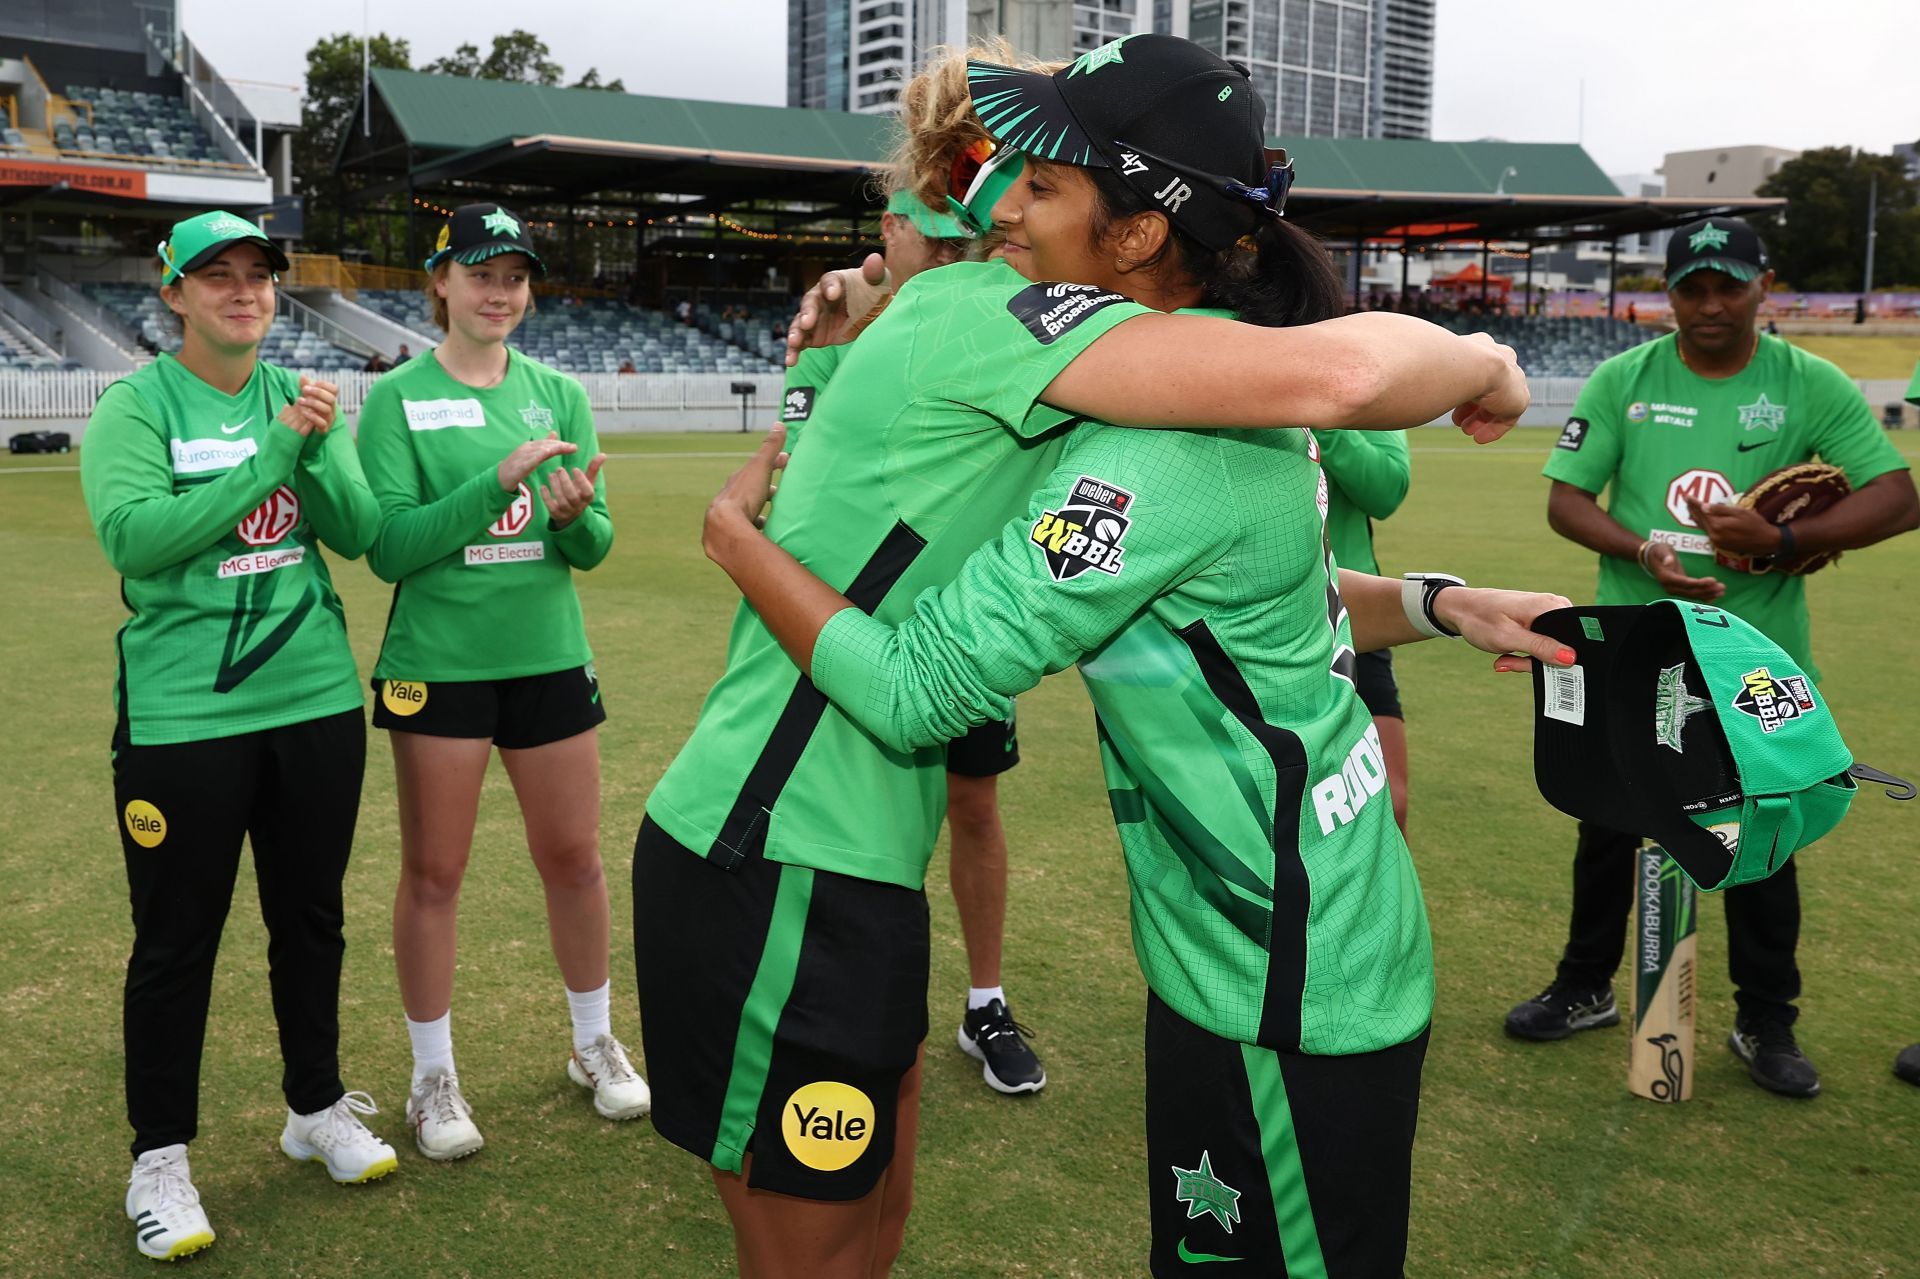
<point>168,1221</point>
<point>618,1090</point>
<point>336,1137</point>
<point>442,1120</point>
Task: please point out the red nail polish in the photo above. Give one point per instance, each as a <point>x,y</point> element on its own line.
<point>1564,657</point>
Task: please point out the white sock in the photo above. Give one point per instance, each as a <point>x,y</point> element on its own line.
<point>432,1046</point>
<point>981,996</point>
<point>592,1014</point>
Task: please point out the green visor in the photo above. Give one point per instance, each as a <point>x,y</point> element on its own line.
<point>198,240</point>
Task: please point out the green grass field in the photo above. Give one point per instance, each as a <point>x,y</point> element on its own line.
<point>1878,356</point>
<point>1532,1159</point>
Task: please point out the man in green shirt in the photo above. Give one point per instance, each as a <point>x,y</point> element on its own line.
<point>1679,427</point>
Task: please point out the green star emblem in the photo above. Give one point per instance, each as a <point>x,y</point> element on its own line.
<point>1672,705</point>
<point>536,417</point>
<point>1204,1193</point>
<point>1708,237</point>
<point>1094,59</point>
<point>500,222</point>
<point>1763,412</point>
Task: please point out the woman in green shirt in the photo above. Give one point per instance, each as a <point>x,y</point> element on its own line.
<point>212,479</point>
<point>482,526</point>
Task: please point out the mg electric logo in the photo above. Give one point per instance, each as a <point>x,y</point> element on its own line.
<point>272,520</point>
<point>518,516</point>
<point>1704,487</point>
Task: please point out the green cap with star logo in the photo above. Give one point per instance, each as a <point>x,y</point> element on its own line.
<point>1716,244</point>
<point>476,232</point>
<point>199,240</point>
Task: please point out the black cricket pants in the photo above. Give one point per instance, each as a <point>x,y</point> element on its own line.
<point>295,791</point>
<point>1763,926</point>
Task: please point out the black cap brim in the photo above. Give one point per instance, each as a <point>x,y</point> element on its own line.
<point>275,258</point>
<point>1742,271</point>
<point>1025,111</point>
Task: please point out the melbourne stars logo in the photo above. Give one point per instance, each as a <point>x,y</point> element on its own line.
<point>500,222</point>
<point>1094,59</point>
<point>1708,237</point>
<point>536,417</point>
<point>1763,412</point>
<point>1672,706</point>
<point>1204,1193</point>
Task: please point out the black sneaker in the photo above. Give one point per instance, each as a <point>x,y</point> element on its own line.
<point>991,1036</point>
<point>1774,1059</point>
<point>1561,1009</point>
<point>1907,1064</point>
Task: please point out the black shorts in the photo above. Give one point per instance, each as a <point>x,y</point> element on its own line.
<point>780,1007</point>
<point>1373,680</point>
<point>1275,1163</point>
<point>987,750</point>
<point>529,711</point>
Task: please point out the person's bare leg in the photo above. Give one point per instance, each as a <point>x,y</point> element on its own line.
<point>438,780</point>
<point>978,872</point>
<point>1393,745</point>
<point>779,1236</point>
<point>897,1186</point>
<point>558,786</point>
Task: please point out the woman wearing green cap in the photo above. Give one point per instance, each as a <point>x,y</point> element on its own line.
<point>212,480</point>
<point>481,530</point>
<point>780,921</point>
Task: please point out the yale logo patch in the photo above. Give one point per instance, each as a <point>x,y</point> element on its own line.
<point>1086,531</point>
<point>403,696</point>
<point>827,1125</point>
<point>145,823</point>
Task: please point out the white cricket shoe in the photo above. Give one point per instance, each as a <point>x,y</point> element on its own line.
<point>442,1120</point>
<point>618,1090</point>
<point>336,1137</point>
<point>168,1221</point>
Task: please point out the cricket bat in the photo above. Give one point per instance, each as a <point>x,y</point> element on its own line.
<point>1660,1049</point>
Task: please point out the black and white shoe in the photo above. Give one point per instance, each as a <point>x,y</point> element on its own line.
<point>1561,1009</point>
<point>1773,1058</point>
<point>1907,1064</point>
<point>992,1037</point>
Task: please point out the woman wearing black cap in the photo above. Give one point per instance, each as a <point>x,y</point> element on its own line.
<point>213,479</point>
<point>481,531</point>
<point>780,923</point>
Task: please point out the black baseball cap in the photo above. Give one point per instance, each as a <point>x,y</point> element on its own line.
<point>1685,725</point>
<point>1716,244</point>
<point>476,232</point>
<point>1181,126</point>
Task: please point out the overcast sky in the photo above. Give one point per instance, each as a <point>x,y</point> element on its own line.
<point>1660,75</point>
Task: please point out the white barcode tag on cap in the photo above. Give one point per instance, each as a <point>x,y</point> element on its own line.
<point>1567,694</point>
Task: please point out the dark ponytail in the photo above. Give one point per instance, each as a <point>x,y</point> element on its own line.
<point>1286,277</point>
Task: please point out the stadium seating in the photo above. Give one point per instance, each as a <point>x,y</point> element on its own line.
<point>595,335</point>
<point>154,125</point>
<point>1555,346</point>
<point>753,334</point>
<point>17,353</point>
<point>139,307</point>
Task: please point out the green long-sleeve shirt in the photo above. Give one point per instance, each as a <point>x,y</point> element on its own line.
<point>1368,474</point>
<point>213,512</point>
<point>484,588</point>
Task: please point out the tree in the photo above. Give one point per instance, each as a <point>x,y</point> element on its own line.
<point>330,109</point>
<point>518,55</point>
<point>1818,242</point>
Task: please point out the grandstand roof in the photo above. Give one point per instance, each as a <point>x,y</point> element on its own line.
<point>438,134</point>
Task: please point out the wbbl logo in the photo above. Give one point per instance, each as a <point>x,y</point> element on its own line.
<point>1085,532</point>
<point>1773,699</point>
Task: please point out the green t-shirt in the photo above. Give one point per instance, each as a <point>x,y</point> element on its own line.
<point>930,437</point>
<point>213,513</point>
<point>1657,433</point>
<point>1368,473</point>
<point>1273,898</point>
<point>484,582</point>
<point>805,383</point>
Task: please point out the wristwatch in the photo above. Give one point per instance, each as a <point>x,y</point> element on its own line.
<point>1417,591</point>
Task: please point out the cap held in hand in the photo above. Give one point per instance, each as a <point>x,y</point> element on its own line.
<point>1683,724</point>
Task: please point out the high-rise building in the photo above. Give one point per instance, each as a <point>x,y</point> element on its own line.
<point>1327,68</point>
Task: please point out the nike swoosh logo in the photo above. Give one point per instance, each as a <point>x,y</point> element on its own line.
<point>229,430</point>
<point>1747,448</point>
<point>1195,1258</point>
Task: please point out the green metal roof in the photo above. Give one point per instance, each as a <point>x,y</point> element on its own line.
<point>1445,168</point>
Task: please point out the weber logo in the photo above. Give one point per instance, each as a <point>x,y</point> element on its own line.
<point>1050,310</point>
<point>436,415</point>
<point>798,405</point>
<point>197,457</point>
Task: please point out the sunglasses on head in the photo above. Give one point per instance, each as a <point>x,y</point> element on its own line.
<point>978,177</point>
